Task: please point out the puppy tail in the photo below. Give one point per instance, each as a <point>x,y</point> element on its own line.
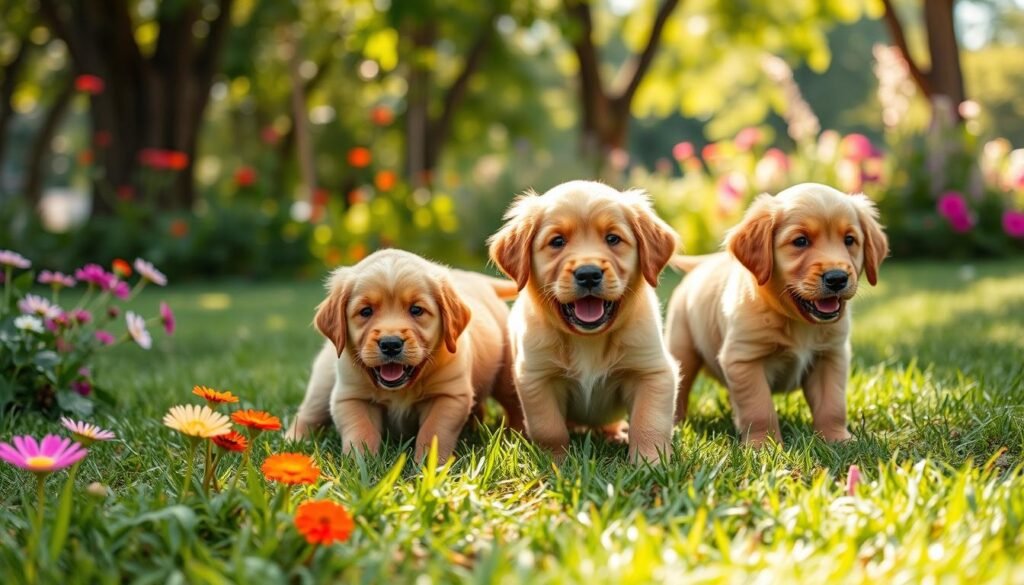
<point>505,289</point>
<point>684,263</point>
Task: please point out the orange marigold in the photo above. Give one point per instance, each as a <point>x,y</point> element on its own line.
<point>214,396</point>
<point>233,441</point>
<point>323,522</point>
<point>256,419</point>
<point>291,468</point>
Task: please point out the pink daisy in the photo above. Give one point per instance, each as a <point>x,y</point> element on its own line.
<point>36,305</point>
<point>95,275</point>
<point>167,317</point>
<point>84,432</point>
<point>14,259</point>
<point>56,279</point>
<point>52,454</point>
<point>104,337</point>
<point>149,272</point>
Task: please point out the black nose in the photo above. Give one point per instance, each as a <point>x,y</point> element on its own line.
<point>390,345</point>
<point>588,276</point>
<point>835,280</point>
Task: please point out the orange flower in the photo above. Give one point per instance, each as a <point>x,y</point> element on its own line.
<point>212,396</point>
<point>382,115</point>
<point>359,157</point>
<point>290,468</point>
<point>323,522</point>
<point>179,228</point>
<point>233,441</point>
<point>256,419</point>
<point>385,180</point>
<point>122,268</point>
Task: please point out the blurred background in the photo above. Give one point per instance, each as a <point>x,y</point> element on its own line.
<point>276,137</point>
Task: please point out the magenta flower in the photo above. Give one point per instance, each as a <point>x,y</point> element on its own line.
<point>951,204</point>
<point>104,337</point>
<point>56,279</point>
<point>683,151</point>
<point>95,275</point>
<point>14,259</point>
<point>53,454</point>
<point>84,432</point>
<point>856,147</point>
<point>149,272</point>
<point>852,480</point>
<point>80,316</point>
<point>36,305</point>
<point>121,289</point>
<point>1013,223</point>
<point>137,329</point>
<point>167,317</point>
<point>747,139</point>
<point>961,224</point>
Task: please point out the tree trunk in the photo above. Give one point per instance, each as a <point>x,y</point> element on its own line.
<point>11,72</point>
<point>39,154</point>
<point>945,73</point>
<point>417,111</point>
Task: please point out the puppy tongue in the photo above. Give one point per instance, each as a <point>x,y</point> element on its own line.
<point>589,309</point>
<point>829,305</point>
<point>391,372</point>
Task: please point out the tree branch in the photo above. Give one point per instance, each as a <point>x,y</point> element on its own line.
<point>586,52</point>
<point>892,21</point>
<point>637,67</point>
<point>208,57</point>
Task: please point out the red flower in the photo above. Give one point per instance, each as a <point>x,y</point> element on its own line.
<point>360,157</point>
<point>163,160</point>
<point>385,180</point>
<point>323,522</point>
<point>179,228</point>
<point>85,157</point>
<point>270,135</point>
<point>245,176</point>
<point>320,197</point>
<point>381,115</point>
<point>683,151</point>
<point>121,268</point>
<point>89,84</point>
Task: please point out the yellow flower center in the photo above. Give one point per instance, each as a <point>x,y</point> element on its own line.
<point>196,428</point>
<point>40,462</point>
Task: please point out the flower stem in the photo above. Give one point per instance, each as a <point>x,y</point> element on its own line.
<point>8,274</point>
<point>207,464</point>
<point>35,544</point>
<point>191,464</point>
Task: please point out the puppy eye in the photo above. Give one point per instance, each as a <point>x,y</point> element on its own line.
<point>415,310</point>
<point>365,312</point>
<point>801,242</point>
<point>557,242</point>
<point>612,239</point>
<point>850,240</point>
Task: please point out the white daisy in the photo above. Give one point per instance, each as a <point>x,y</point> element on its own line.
<point>36,305</point>
<point>29,323</point>
<point>137,329</point>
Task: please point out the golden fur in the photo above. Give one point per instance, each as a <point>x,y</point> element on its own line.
<point>454,353</point>
<point>566,375</point>
<point>738,316</point>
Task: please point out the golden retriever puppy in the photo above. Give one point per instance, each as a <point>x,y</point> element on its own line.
<point>770,314</point>
<point>586,335</point>
<point>413,348</point>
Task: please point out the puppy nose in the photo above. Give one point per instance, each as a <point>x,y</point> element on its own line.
<point>835,280</point>
<point>588,276</point>
<point>391,345</point>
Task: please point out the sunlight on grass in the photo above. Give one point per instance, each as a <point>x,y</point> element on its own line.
<point>214,301</point>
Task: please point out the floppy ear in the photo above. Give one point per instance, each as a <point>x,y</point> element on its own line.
<point>510,248</point>
<point>751,242</point>
<point>455,315</point>
<point>331,319</point>
<point>656,241</point>
<point>876,244</point>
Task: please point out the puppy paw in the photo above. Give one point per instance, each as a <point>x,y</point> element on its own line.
<point>617,432</point>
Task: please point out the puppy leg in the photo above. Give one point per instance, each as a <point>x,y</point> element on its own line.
<point>505,394</point>
<point>651,417</point>
<point>544,407</point>
<point>681,347</point>
<point>753,410</point>
<point>315,409</point>
<point>442,419</point>
<point>359,423</point>
<point>825,391</point>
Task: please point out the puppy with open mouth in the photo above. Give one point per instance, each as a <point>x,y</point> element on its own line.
<point>771,313</point>
<point>413,348</point>
<point>586,335</point>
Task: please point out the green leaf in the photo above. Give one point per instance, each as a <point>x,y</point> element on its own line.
<point>63,520</point>
<point>74,403</point>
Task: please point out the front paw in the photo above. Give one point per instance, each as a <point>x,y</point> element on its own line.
<point>361,446</point>
<point>652,454</point>
<point>836,435</point>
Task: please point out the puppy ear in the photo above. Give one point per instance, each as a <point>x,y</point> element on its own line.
<point>752,241</point>
<point>510,247</point>
<point>331,319</point>
<point>656,241</point>
<point>876,244</point>
<point>455,315</point>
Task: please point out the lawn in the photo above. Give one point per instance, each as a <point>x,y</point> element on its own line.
<point>936,403</point>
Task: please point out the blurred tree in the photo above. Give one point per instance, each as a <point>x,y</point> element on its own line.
<point>943,77</point>
<point>17,26</point>
<point>155,78</point>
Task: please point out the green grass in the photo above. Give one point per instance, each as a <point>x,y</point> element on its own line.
<point>936,402</point>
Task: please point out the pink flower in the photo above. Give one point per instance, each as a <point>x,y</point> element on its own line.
<point>81,316</point>
<point>95,275</point>
<point>167,317</point>
<point>747,139</point>
<point>961,224</point>
<point>952,204</point>
<point>14,259</point>
<point>137,329</point>
<point>710,152</point>
<point>36,305</point>
<point>57,323</point>
<point>852,480</point>
<point>53,454</point>
<point>56,279</point>
<point>683,151</point>
<point>148,272</point>
<point>1013,223</point>
<point>86,432</point>
<point>104,337</point>
<point>82,387</point>
<point>121,289</point>
<point>856,147</point>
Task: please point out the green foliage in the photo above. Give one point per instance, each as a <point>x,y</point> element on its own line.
<point>934,396</point>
